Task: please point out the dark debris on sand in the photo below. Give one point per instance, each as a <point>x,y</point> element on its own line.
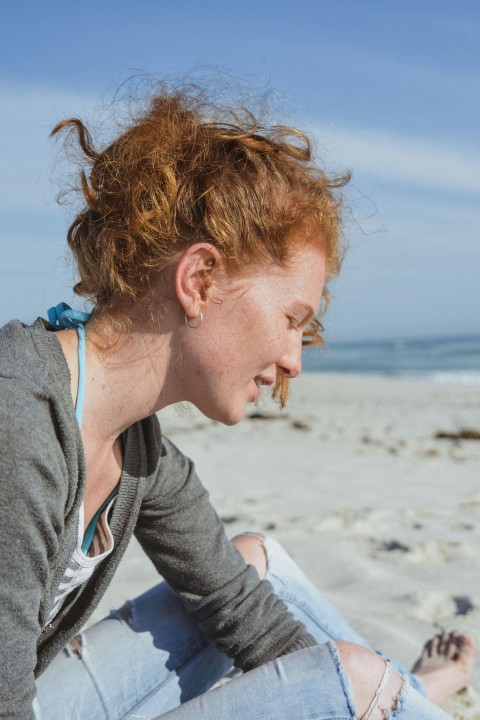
<point>264,416</point>
<point>392,545</point>
<point>462,434</point>
<point>463,605</point>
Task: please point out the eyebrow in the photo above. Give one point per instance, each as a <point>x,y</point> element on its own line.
<point>309,311</point>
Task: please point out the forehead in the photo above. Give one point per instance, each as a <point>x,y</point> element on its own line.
<point>307,273</point>
<point>306,265</point>
<point>301,280</point>
<point>304,256</point>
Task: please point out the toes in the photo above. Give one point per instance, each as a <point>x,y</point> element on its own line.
<point>460,644</point>
<point>446,648</point>
<point>463,643</point>
<point>453,644</point>
<point>444,645</point>
<point>428,648</point>
<point>466,644</point>
<point>438,645</point>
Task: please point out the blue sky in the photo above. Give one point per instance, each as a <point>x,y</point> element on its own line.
<point>390,91</point>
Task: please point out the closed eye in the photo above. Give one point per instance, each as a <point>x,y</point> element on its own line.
<point>293,324</point>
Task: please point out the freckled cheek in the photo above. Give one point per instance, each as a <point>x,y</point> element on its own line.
<point>279,343</point>
<point>269,351</point>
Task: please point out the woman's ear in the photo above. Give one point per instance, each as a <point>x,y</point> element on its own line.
<point>195,277</point>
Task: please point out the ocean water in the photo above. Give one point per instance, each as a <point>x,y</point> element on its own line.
<point>453,359</point>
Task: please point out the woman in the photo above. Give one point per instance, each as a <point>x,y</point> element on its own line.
<point>204,244</point>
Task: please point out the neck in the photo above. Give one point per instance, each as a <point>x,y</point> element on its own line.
<point>128,377</point>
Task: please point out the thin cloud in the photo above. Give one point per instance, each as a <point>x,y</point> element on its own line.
<point>405,159</point>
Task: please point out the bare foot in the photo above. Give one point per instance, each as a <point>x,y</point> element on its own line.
<point>445,664</point>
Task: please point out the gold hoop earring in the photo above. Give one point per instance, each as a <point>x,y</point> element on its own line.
<point>197,320</point>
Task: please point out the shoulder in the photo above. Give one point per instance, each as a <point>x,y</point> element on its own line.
<point>16,346</point>
<point>25,388</point>
<point>33,374</point>
<point>24,416</point>
<point>38,435</point>
<point>32,353</point>
<point>33,462</point>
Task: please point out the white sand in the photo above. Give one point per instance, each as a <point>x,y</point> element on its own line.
<point>381,515</point>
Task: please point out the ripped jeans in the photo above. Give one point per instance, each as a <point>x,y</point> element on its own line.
<point>149,660</point>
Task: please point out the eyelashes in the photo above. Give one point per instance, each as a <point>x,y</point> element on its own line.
<point>312,334</point>
<point>314,326</point>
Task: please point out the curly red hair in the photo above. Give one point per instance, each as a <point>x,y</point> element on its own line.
<point>185,171</point>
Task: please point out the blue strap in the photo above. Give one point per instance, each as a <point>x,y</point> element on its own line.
<point>62,316</point>
<point>81,375</point>
<point>92,525</point>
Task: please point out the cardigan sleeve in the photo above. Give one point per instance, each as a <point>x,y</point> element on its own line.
<point>29,522</point>
<point>183,536</point>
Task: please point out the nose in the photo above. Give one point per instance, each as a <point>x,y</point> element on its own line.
<point>290,365</point>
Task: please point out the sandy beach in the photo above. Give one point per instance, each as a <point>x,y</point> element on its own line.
<point>351,478</point>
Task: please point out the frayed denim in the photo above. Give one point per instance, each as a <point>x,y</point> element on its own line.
<point>148,660</point>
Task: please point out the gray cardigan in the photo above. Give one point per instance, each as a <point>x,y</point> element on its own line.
<point>160,500</point>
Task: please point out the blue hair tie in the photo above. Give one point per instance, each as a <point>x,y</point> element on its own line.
<point>62,316</point>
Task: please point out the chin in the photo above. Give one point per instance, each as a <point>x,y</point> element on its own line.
<point>233,421</point>
<point>227,416</point>
<point>231,418</point>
